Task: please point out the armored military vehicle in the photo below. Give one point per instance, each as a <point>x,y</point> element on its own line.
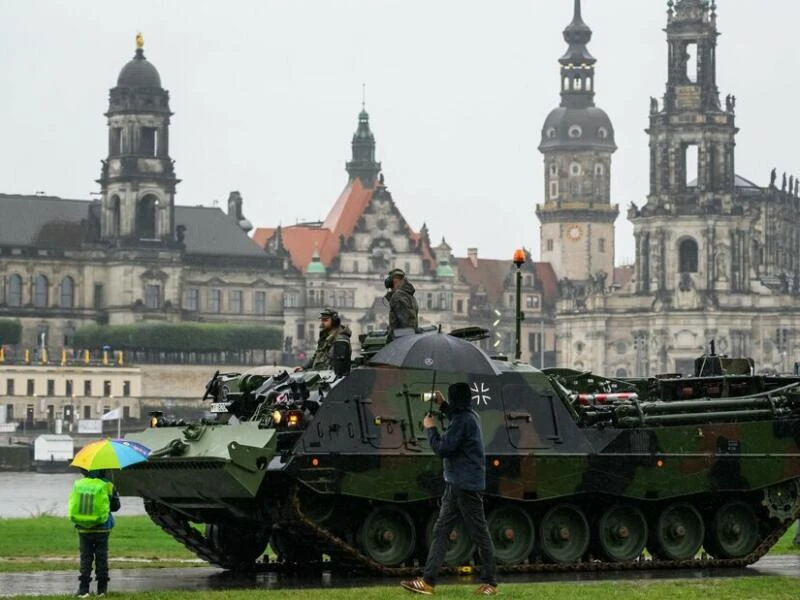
<point>583,472</point>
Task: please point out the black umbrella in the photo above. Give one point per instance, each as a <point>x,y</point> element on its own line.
<point>435,352</point>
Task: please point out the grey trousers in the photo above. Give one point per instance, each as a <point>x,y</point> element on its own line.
<point>469,505</point>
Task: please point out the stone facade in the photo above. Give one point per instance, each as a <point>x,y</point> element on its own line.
<point>344,259</point>
<point>716,255</point>
<point>577,216</point>
<point>134,256</point>
<point>38,393</point>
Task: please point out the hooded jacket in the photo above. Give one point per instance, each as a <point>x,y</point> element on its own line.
<point>403,308</point>
<point>461,445</point>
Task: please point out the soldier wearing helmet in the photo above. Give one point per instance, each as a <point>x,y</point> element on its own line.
<point>403,307</point>
<point>333,346</point>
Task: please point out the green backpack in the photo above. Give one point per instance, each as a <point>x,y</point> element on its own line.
<point>89,502</point>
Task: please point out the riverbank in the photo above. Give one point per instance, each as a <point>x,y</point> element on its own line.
<point>46,494</point>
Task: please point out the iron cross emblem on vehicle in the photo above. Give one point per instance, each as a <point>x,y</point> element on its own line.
<point>480,393</point>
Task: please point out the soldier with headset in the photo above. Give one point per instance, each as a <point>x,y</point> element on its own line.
<point>333,346</point>
<point>403,307</point>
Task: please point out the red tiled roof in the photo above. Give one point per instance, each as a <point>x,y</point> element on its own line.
<point>343,217</point>
<point>301,240</point>
<point>490,275</point>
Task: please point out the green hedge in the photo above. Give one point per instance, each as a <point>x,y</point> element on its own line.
<point>184,337</point>
<point>10,331</point>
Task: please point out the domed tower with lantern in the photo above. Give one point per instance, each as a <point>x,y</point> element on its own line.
<point>577,217</point>
<point>138,180</point>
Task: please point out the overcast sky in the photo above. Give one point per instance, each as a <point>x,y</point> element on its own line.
<point>266,96</point>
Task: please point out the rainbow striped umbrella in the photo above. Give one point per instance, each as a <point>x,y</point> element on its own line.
<point>109,454</point>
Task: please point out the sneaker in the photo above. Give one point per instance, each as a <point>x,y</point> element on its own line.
<point>82,594</point>
<point>486,589</point>
<point>418,586</point>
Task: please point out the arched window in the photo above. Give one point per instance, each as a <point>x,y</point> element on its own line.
<point>15,290</point>
<point>575,169</point>
<point>67,294</point>
<point>115,214</point>
<point>40,292</point>
<point>687,256</point>
<point>599,170</point>
<point>146,217</point>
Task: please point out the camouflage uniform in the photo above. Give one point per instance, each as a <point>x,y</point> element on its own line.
<point>333,347</point>
<point>403,307</point>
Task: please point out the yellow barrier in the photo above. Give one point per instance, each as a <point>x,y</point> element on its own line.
<point>41,356</point>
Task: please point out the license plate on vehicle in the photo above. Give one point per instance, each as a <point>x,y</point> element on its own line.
<point>219,407</point>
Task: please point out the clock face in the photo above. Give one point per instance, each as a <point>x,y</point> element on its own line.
<point>575,232</point>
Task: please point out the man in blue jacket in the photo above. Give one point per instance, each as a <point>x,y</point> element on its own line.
<point>461,447</point>
<point>91,503</point>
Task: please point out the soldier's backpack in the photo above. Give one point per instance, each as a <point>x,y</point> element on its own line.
<point>89,502</point>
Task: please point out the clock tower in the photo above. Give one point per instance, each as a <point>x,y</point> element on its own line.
<point>577,217</point>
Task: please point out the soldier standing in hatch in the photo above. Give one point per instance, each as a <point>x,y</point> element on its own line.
<point>403,308</point>
<point>333,347</point>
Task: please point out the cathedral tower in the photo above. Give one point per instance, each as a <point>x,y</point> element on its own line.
<point>686,234</point>
<point>577,217</point>
<point>138,180</point>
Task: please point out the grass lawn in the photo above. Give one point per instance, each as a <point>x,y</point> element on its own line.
<point>51,543</point>
<point>25,542</point>
<point>772,588</point>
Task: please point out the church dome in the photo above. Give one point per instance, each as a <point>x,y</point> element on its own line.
<point>585,128</point>
<point>139,73</point>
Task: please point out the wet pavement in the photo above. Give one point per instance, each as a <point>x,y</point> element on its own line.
<point>208,578</point>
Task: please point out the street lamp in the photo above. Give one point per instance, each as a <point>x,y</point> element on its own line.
<point>519,260</point>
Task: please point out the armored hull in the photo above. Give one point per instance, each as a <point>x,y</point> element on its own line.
<point>583,472</point>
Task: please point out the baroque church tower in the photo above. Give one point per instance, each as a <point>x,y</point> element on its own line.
<point>692,234</point>
<point>138,180</point>
<point>577,217</point>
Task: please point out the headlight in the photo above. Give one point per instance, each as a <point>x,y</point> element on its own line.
<point>294,418</point>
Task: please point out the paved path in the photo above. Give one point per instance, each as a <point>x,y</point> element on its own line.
<point>208,578</point>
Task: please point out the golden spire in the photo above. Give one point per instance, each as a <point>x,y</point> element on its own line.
<point>139,40</point>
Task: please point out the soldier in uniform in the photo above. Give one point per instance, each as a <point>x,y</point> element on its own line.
<point>333,346</point>
<point>403,307</point>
